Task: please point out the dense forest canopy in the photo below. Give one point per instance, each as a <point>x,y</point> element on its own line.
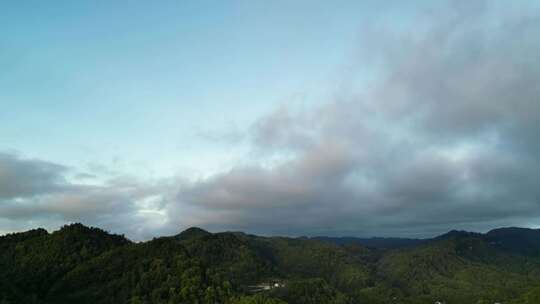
<point>79,264</point>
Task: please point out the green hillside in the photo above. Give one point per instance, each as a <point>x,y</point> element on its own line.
<point>78,264</point>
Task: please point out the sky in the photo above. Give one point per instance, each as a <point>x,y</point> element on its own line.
<point>356,118</point>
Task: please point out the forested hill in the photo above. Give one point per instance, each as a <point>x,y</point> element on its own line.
<point>79,264</point>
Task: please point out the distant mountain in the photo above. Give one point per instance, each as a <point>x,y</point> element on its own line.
<point>79,264</point>
<point>457,234</point>
<point>515,240</point>
<point>192,233</point>
<point>374,242</point>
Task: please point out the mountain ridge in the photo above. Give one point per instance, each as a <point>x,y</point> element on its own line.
<point>88,265</point>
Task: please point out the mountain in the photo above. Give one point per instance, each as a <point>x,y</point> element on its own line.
<point>374,242</point>
<point>192,233</point>
<point>79,264</point>
<point>515,240</point>
<point>33,261</point>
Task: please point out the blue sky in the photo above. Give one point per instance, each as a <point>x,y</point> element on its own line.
<point>138,82</point>
<point>344,117</point>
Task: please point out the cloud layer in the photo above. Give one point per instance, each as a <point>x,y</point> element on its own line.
<point>444,138</point>
<point>39,193</point>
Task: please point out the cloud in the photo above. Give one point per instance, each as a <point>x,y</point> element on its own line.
<point>444,138</point>
<point>35,192</point>
<point>28,177</point>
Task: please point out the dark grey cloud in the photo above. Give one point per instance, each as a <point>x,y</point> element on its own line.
<point>35,192</point>
<point>445,139</point>
<point>28,177</point>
